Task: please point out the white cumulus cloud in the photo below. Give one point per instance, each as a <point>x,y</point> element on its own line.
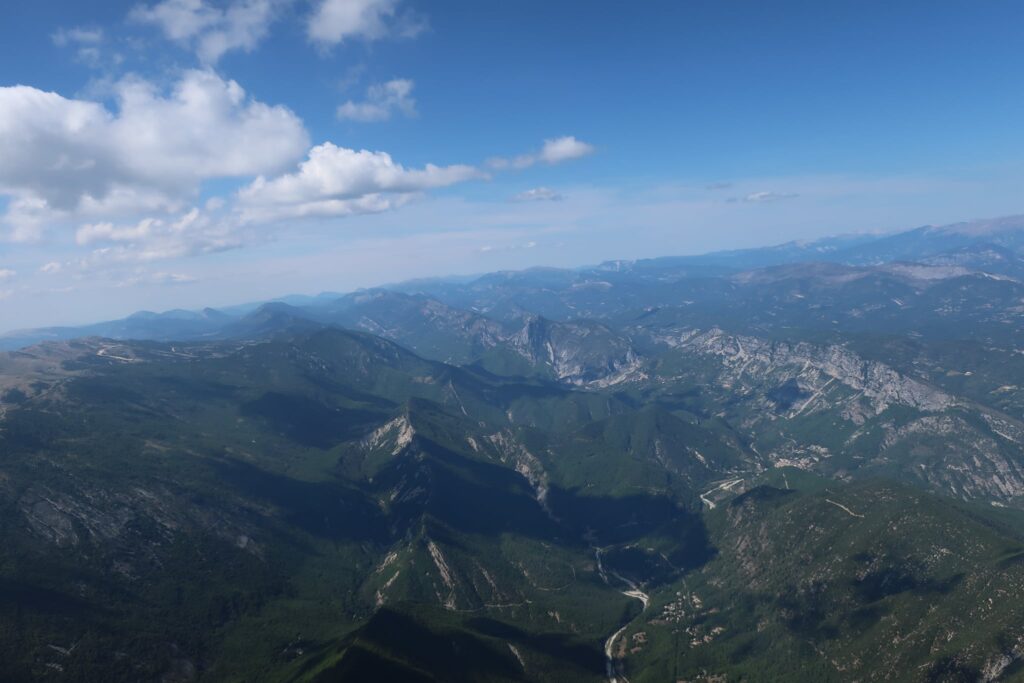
<point>554,151</point>
<point>339,181</point>
<point>382,100</point>
<point>64,159</point>
<point>564,149</point>
<point>210,30</point>
<point>334,21</point>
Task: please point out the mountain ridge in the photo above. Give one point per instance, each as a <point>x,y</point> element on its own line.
<point>1005,235</point>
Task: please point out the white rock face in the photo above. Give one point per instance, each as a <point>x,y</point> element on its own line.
<point>399,432</point>
<point>578,353</point>
<point>525,463</point>
<point>750,359</point>
<point>953,446</point>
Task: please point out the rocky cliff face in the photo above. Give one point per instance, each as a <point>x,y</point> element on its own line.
<point>577,352</point>
<point>747,362</point>
<point>825,408</point>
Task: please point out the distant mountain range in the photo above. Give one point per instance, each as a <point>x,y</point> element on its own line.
<point>986,247</point>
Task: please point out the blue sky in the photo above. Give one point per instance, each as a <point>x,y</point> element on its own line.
<point>182,153</point>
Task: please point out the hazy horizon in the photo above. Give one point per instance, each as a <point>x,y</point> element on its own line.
<point>469,274</point>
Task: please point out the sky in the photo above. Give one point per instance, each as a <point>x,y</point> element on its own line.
<point>159,154</point>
